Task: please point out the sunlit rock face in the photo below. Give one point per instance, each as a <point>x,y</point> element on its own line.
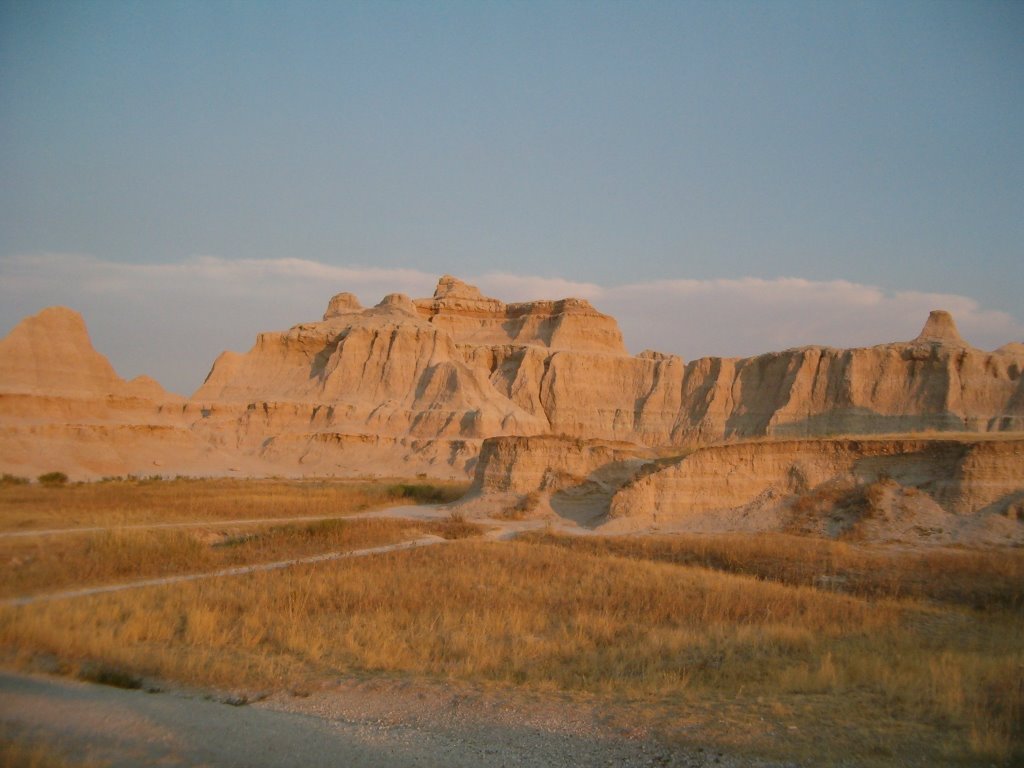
<point>425,381</point>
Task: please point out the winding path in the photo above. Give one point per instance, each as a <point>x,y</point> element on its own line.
<point>412,511</point>
<point>500,530</point>
<point>237,570</point>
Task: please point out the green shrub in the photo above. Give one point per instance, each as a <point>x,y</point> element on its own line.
<point>8,479</point>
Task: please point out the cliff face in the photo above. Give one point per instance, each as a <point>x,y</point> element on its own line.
<point>659,400</point>
<point>385,370</point>
<point>898,488</point>
<point>911,490</point>
<point>519,465</point>
<point>548,475</point>
<point>429,379</point>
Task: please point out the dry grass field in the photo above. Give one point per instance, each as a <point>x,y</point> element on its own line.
<point>131,501</point>
<point>778,645</point>
<point>35,565</point>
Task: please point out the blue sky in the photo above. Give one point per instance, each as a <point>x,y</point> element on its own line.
<point>555,145</point>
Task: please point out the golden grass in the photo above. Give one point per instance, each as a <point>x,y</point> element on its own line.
<point>782,645</point>
<point>126,502</point>
<point>507,612</point>
<point>872,678</point>
<point>46,564</point>
<point>976,578</point>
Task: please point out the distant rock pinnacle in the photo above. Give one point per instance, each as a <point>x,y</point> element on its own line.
<point>940,329</point>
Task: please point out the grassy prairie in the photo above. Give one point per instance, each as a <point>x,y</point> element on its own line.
<point>782,646</point>
<point>33,565</point>
<point>976,578</point>
<point>140,501</point>
<point>759,665</point>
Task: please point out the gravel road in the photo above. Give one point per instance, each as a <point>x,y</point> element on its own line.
<point>349,726</point>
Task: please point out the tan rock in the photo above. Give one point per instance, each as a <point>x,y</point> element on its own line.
<point>900,488</point>
<point>427,380</point>
<point>940,329</point>
<point>342,304</point>
<point>473,319</point>
<point>548,474</point>
<point>50,353</point>
<point>384,371</point>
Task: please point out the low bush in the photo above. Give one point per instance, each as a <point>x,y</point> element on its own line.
<point>425,493</point>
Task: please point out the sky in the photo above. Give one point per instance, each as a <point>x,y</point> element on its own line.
<point>725,178</point>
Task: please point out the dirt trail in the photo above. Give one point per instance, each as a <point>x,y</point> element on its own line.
<point>234,571</point>
<point>391,724</point>
<point>347,727</point>
<point>418,512</point>
<point>498,530</point>
<point>156,526</point>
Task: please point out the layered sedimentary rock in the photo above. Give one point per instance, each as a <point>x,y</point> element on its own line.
<point>522,464</point>
<point>63,407</point>
<point>934,382</point>
<point>912,490</point>
<point>900,488</point>
<point>50,354</point>
<point>418,384</point>
<point>384,370</point>
<point>474,320</point>
<point>464,365</point>
<point>545,474</point>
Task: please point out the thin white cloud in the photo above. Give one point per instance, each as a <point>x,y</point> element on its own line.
<point>171,320</point>
<point>509,287</point>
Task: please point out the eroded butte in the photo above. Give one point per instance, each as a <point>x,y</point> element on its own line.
<point>540,403</point>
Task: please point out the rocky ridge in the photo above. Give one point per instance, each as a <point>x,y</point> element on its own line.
<point>416,386</point>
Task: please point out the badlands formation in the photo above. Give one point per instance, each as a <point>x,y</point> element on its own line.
<point>542,406</point>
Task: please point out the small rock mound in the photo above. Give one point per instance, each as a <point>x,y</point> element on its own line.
<point>940,329</point>
<point>342,304</point>
<point>449,287</point>
<point>398,301</point>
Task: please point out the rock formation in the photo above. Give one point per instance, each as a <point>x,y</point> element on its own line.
<point>474,320</point>
<point>939,489</point>
<point>414,386</point>
<point>50,354</point>
<point>930,490</point>
<point>547,474</point>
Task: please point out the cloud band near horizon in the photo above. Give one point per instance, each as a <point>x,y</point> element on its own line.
<point>171,320</point>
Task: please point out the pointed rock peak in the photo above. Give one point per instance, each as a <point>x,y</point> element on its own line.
<point>449,287</point>
<point>940,329</point>
<point>342,304</point>
<point>50,354</point>
<point>398,301</point>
